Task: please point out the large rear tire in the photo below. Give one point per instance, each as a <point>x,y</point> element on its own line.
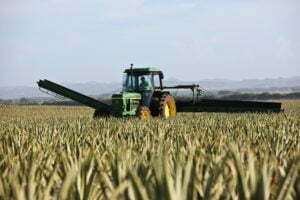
<point>167,106</point>
<point>100,114</point>
<point>143,113</point>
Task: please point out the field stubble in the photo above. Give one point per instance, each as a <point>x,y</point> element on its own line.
<point>62,153</point>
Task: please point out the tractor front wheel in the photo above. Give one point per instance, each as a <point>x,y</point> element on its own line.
<point>167,106</point>
<point>100,114</point>
<point>143,112</point>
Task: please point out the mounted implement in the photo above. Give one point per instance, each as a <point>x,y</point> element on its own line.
<point>144,95</point>
<point>71,94</point>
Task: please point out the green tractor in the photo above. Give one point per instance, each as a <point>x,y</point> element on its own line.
<point>144,95</point>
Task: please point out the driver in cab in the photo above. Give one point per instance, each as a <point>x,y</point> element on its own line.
<point>146,90</point>
<point>144,86</point>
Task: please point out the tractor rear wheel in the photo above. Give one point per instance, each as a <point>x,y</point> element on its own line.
<point>100,114</point>
<point>143,112</point>
<point>167,106</point>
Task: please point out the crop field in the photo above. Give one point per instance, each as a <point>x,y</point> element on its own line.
<point>52,152</point>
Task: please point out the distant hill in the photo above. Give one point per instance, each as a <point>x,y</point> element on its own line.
<point>219,84</point>
<point>272,85</point>
<point>89,88</point>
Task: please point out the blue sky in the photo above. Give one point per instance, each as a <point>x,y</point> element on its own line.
<point>93,40</point>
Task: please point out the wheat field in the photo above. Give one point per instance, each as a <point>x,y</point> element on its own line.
<point>52,152</point>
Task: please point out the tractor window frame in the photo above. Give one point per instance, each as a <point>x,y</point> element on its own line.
<point>153,79</point>
<point>156,81</point>
<point>129,84</point>
<point>148,77</point>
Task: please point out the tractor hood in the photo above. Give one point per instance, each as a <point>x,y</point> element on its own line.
<point>127,95</point>
<point>125,103</point>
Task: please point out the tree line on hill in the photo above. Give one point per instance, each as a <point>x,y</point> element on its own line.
<point>227,95</point>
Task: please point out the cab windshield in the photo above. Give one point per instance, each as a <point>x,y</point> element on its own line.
<point>137,83</point>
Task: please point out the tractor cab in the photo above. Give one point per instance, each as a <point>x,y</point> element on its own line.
<point>139,87</point>
<point>141,79</point>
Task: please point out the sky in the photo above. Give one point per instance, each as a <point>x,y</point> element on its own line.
<point>95,40</point>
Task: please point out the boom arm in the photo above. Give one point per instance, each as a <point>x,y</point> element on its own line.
<point>71,94</point>
<point>218,105</point>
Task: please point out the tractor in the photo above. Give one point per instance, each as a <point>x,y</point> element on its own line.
<point>144,95</point>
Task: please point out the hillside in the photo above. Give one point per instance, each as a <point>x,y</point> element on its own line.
<point>275,85</point>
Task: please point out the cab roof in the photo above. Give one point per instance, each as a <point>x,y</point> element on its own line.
<point>145,70</point>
